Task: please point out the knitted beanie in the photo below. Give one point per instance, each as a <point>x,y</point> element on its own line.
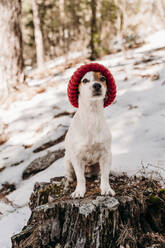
<point>78,75</point>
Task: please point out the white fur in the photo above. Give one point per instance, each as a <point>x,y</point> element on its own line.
<point>88,140</point>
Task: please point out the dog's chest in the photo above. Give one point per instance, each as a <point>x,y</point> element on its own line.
<point>91,153</point>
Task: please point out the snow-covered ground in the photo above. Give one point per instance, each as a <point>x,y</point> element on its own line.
<point>136,120</point>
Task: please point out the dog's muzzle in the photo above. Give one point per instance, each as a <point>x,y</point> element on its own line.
<point>97,89</point>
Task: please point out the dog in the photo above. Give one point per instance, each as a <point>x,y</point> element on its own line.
<point>88,140</point>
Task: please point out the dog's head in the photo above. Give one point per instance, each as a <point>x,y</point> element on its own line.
<point>93,86</point>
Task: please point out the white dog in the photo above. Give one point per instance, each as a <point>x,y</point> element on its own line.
<point>88,141</point>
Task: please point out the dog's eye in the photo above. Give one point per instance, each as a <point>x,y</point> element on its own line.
<point>85,80</point>
<point>102,79</point>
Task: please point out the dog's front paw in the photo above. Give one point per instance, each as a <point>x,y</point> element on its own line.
<point>78,193</point>
<point>107,190</point>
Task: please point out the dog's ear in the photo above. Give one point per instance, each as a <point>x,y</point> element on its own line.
<point>78,89</point>
<point>106,96</point>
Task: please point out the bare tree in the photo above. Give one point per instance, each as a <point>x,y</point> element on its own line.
<point>11,58</point>
<point>121,22</point>
<point>161,10</point>
<point>95,33</point>
<point>38,35</point>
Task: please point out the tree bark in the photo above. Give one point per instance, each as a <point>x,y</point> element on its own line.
<point>38,35</point>
<point>134,218</point>
<point>11,52</point>
<point>161,10</point>
<point>95,33</point>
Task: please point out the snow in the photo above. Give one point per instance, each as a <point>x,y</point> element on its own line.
<point>11,224</point>
<point>19,197</point>
<point>154,41</point>
<point>136,120</point>
<point>138,132</point>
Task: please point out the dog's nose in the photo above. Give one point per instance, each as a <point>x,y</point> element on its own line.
<point>97,86</point>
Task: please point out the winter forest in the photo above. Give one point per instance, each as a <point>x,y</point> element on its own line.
<point>42,43</point>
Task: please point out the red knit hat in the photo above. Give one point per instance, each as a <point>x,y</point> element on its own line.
<point>80,72</point>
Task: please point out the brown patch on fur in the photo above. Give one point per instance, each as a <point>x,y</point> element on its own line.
<point>92,170</point>
<point>79,86</point>
<point>97,76</point>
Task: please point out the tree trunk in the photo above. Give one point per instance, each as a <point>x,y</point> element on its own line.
<point>118,20</point>
<point>121,23</point>
<point>133,219</point>
<point>11,54</point>
<point>95,33</point>
<point>63,38</point>
<point>124,27</point>
<point>161,10</point>
<point>38,35</point>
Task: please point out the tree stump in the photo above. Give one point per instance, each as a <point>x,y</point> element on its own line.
<point>135,217</point>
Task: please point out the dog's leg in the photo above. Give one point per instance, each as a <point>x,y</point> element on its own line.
<point>81,184</point>
<point>105,166</point>
<point>69,171</point>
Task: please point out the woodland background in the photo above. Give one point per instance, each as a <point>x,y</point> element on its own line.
<point>102,26</point>
<point>36,31</point>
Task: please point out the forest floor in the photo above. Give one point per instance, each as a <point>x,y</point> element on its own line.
<point>35,121</point>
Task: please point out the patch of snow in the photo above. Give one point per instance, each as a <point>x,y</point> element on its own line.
<point>11,224</point>
<point>62,59</point>
<point>154,41</point>
<point>21,198</point>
